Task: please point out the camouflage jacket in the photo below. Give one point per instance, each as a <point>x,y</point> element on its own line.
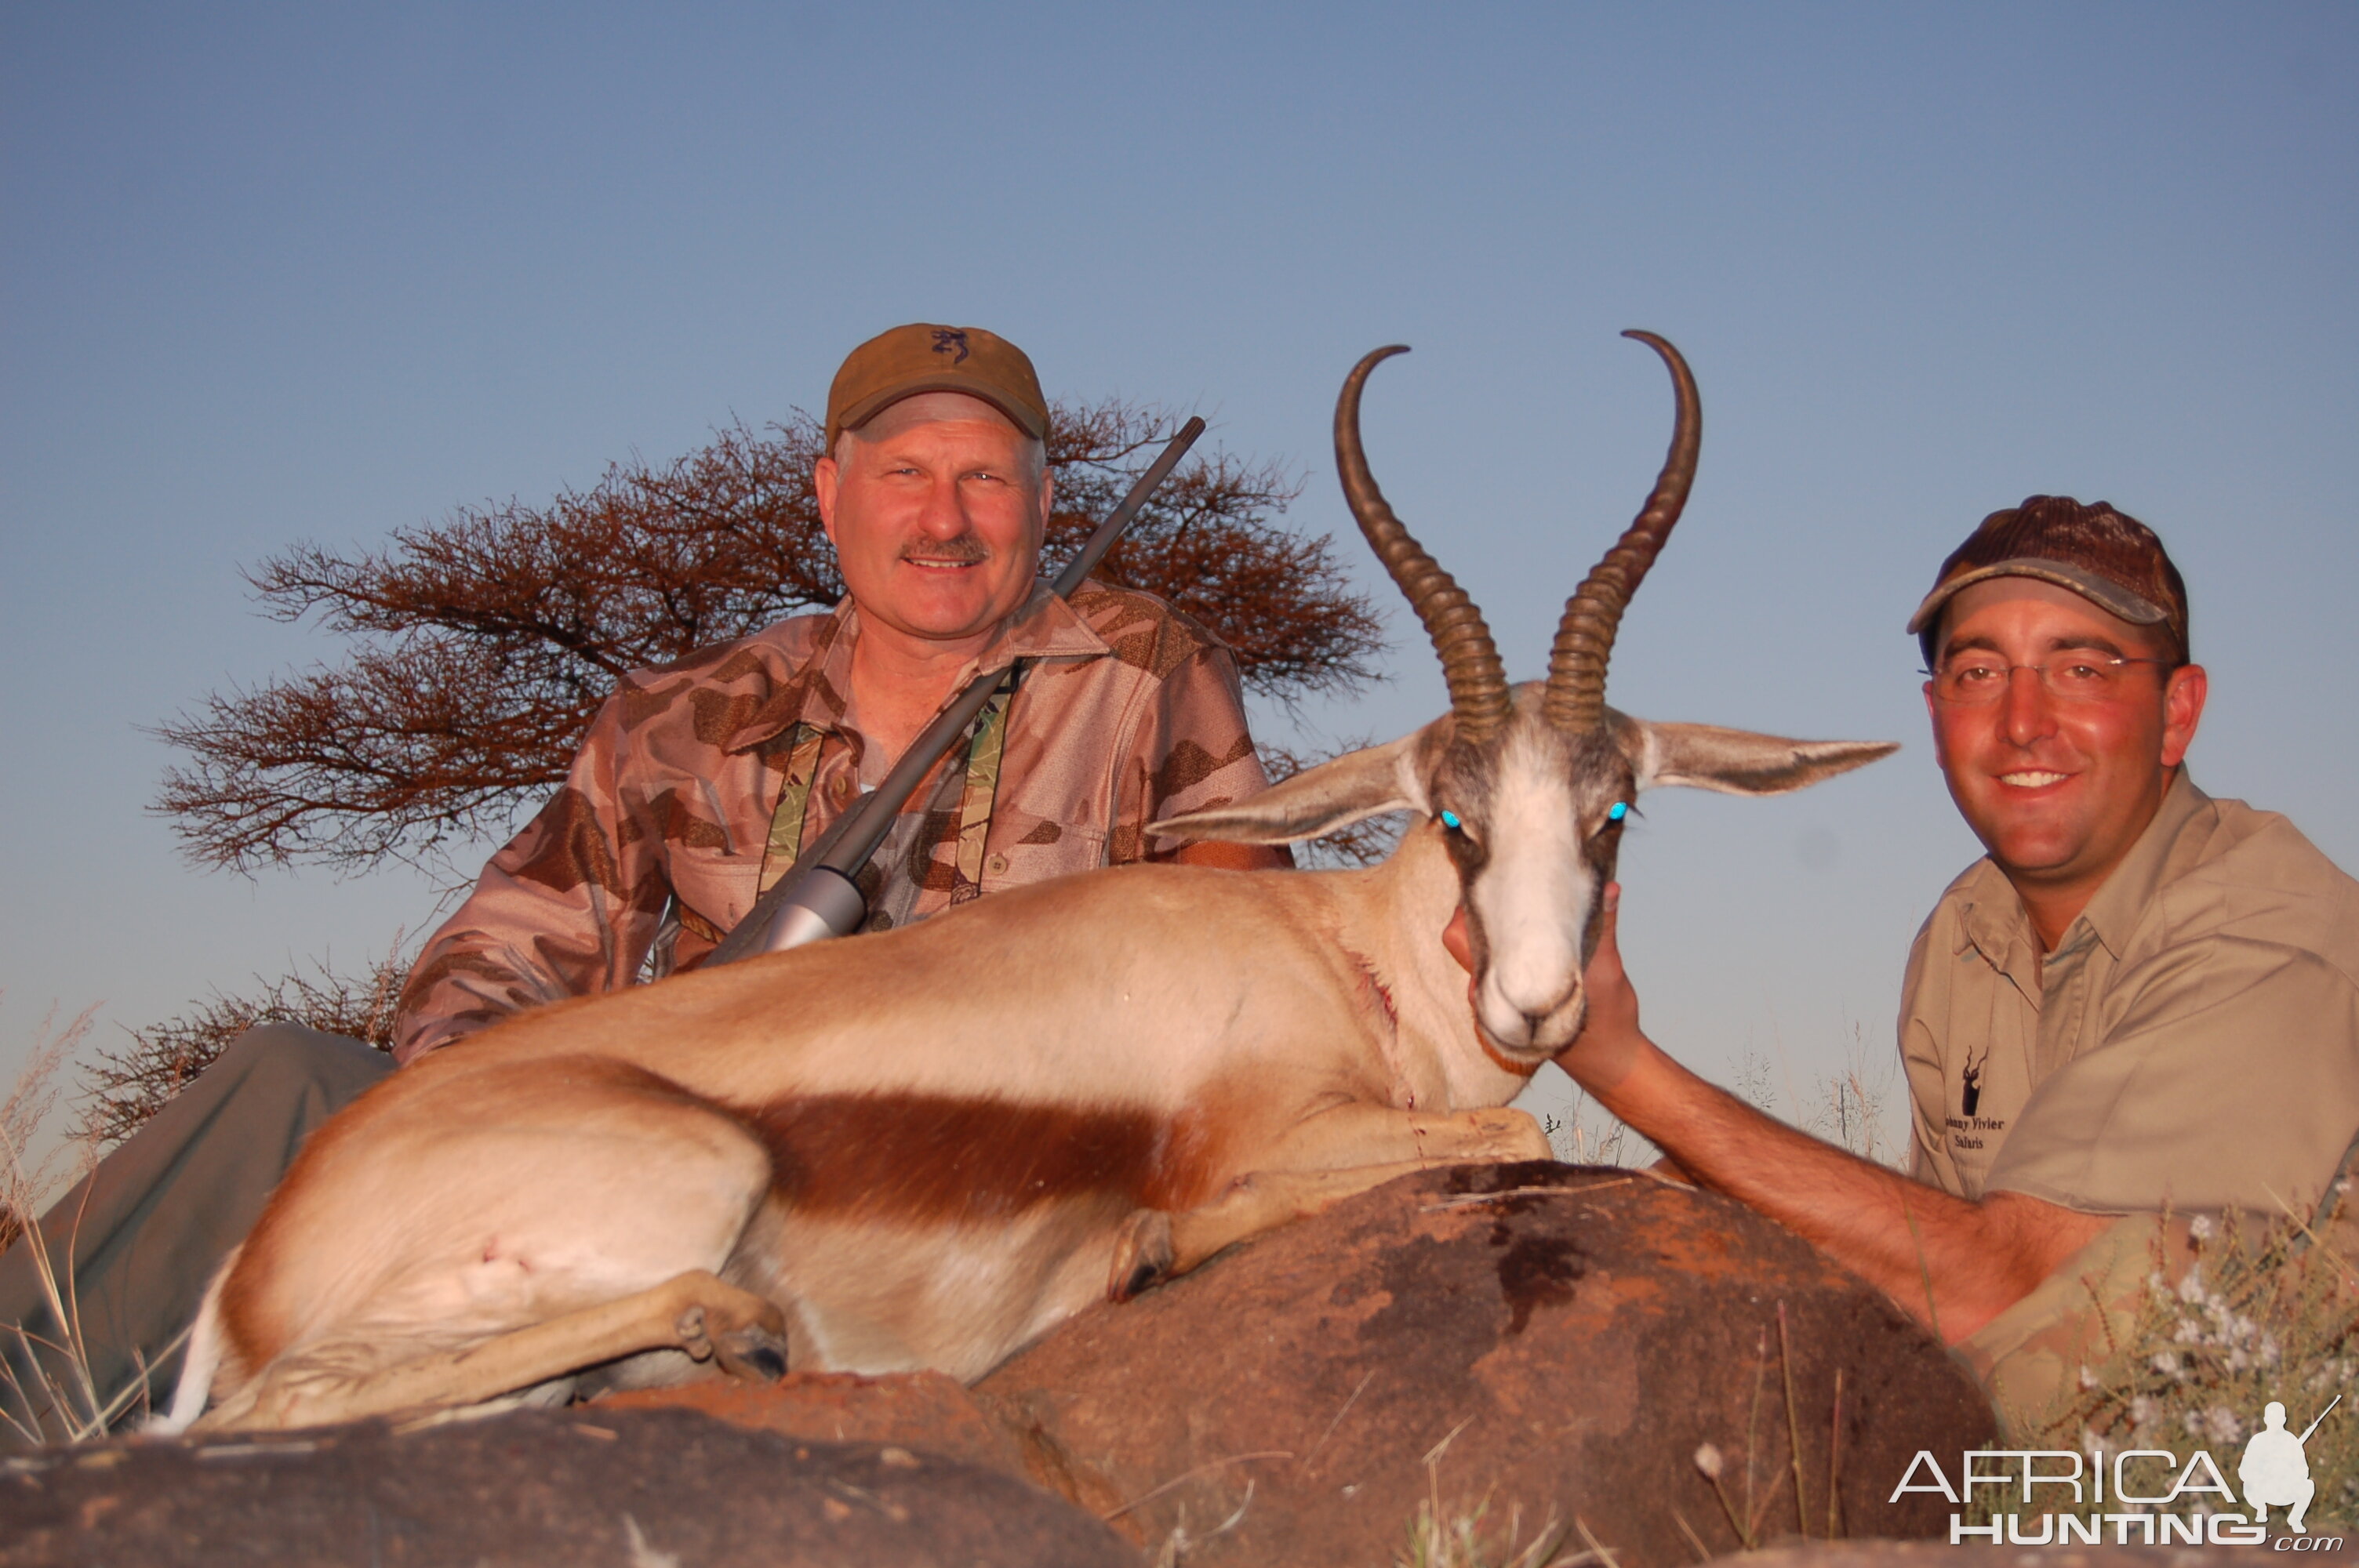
<point>699,781</point>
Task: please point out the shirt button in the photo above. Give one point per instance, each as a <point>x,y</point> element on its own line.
<point>996,865</point>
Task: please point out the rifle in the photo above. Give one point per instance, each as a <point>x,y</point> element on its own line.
<point>2322,1416</point>
<point>818,898</point>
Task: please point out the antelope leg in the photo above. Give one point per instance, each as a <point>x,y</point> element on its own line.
<point>1156,1246</point>
<point>696,1312</point>
<point>1334,1155</point>
<point>1354,1135</point>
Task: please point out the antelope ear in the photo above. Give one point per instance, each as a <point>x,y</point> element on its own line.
<point>1333,795</point>
<point>1738,762</point>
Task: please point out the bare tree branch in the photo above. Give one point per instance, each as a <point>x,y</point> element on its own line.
<point>484,644</point>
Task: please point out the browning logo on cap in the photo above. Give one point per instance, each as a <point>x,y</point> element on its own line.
<point>923,357</point>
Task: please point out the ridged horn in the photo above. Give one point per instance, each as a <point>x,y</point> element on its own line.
<point>1584,638</point>
<point>1470,660</point>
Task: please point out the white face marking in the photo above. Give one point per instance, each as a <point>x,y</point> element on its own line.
<point>1532,897</point>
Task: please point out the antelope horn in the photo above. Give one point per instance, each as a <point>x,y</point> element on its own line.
<point>1575,700</point>
<point>1470,660</point>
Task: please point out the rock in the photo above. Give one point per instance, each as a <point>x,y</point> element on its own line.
<point>633,1488</point>
<point>1540,1341</point>
<point>926,1410</point>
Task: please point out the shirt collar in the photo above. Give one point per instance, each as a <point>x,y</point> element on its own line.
<point>2114,912</point>
<point>1992,920</point>
<point>1993,917</point>
<point>818,691</point>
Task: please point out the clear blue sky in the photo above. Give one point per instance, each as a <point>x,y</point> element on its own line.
<point>306,272</point>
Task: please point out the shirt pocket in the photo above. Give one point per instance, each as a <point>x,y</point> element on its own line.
<point>718,886</point>
<point>1038,847</point>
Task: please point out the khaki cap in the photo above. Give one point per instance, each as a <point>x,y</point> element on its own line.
<point>922,357</point>
<point>2108,558</point>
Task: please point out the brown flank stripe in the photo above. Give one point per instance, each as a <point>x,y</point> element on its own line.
<point>975,1161</point>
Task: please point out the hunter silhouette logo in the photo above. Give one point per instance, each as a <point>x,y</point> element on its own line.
<point>2275,1471</point>
<point>950,340</point>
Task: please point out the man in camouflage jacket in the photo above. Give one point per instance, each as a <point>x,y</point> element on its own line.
<point>698,786</point>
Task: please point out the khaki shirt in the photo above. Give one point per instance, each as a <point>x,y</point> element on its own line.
<point>2193,1042</point>
<point>1128,712</point>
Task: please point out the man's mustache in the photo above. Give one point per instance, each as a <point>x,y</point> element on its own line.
<point>965,548</point>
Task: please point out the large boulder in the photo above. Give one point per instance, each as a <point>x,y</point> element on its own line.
<point>598,1487</point>
<point>929,1410</point>
<point>1540,1342</point>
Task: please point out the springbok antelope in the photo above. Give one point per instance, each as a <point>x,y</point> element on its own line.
<point>925,1148</point>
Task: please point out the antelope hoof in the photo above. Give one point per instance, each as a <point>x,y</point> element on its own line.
<point>689,1328</point>
<point>752,1354</point>
<point>1143,1255</point>
<point>1510,1134</point>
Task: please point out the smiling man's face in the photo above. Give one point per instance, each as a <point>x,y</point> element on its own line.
<point>936,510</point>
<point>2058,791</point>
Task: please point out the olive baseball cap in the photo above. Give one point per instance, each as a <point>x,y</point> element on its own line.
<point>922,357</point>
<point>2106,556</point>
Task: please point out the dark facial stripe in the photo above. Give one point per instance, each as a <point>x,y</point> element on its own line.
<point>979,1162</point>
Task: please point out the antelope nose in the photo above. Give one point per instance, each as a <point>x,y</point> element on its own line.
<point>1538,991</point>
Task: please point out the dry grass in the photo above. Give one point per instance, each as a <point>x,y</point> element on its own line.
<point>1756,1498</point>
<point>1587,1134</point>
<point>2269,1310</point>
<point>1861,1108</point>
<point>1468,1534</point>
<point>47,1392</point>
<point>25,1189</point>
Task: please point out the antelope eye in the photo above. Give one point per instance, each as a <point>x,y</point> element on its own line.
<point>1617,811</point>
<point>1450,820</point>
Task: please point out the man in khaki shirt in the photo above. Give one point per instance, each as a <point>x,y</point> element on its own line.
<point>2192,1040</point>
<point>2142,1000</point>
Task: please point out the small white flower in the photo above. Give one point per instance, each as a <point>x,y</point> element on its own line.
<point>2191,1289</point>
<point>1708,1460</point>
<point>2088,1377</point>
<point>2200,1227</point>
<point>2142,1409</point>
<point>2166,1361</point>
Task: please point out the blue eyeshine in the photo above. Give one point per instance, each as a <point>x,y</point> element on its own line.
<point>1449,819</point>
<point>1620,810</point>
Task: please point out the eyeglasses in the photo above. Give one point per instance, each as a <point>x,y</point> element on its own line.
<point>2075,676</point>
